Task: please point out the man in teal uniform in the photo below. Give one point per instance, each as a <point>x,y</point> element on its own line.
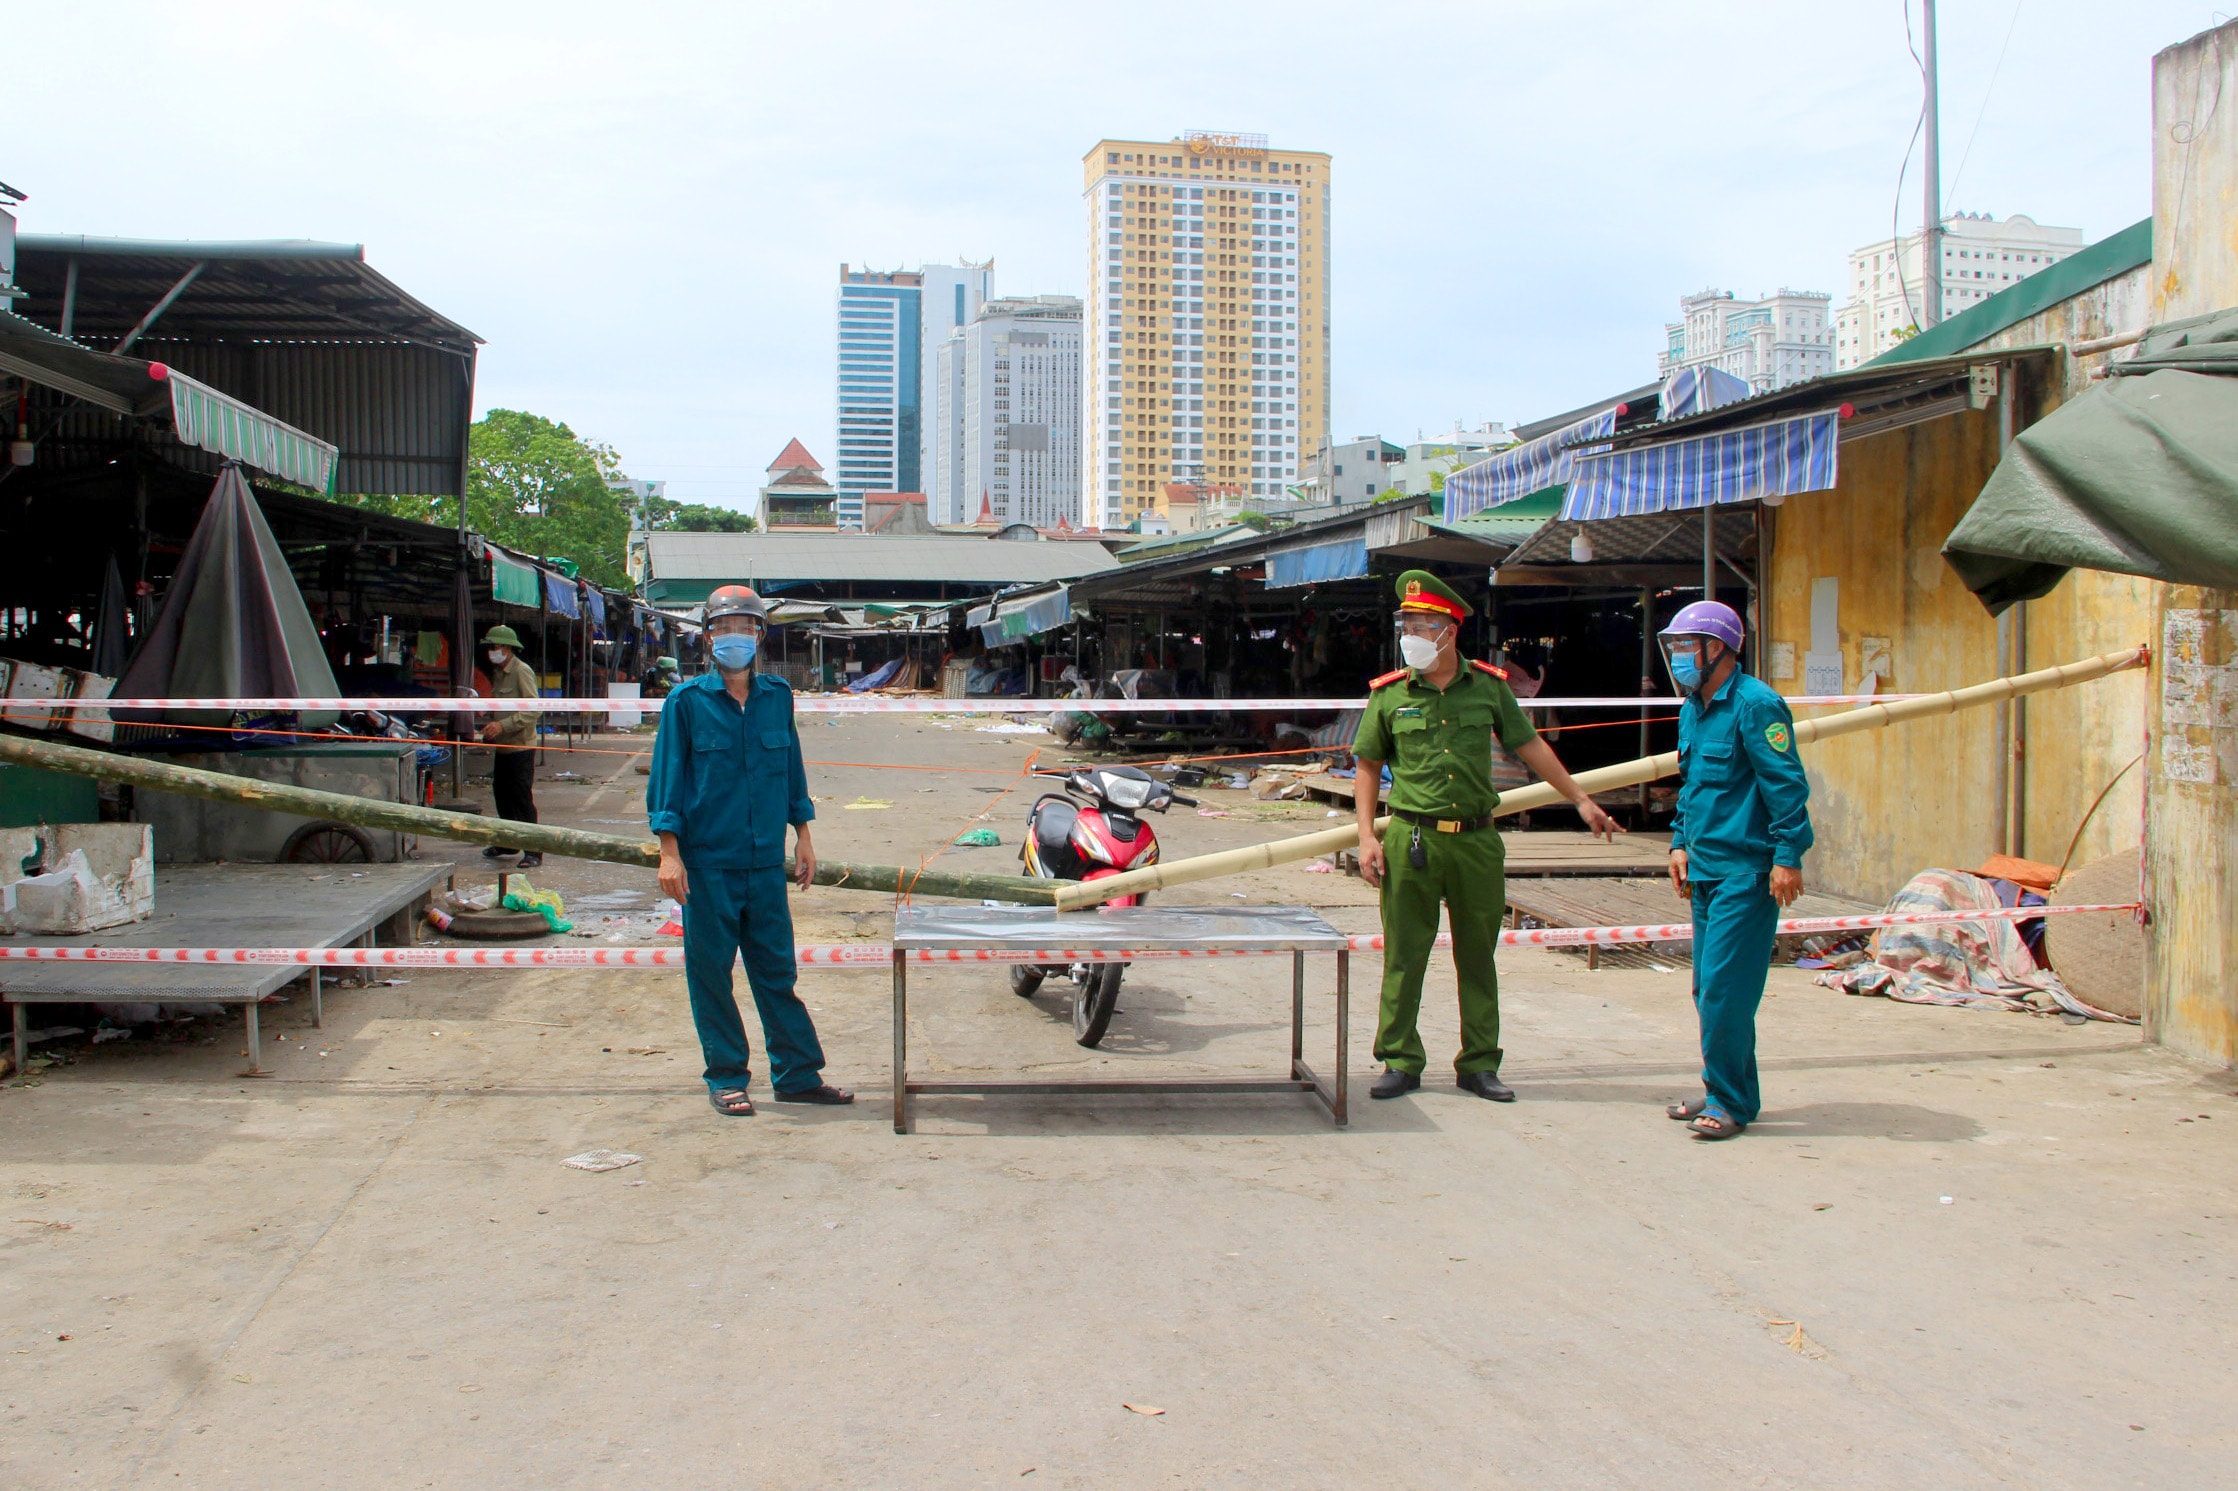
<point>1434,720</point>
<point>1737,846</point>
<point>727,778</point>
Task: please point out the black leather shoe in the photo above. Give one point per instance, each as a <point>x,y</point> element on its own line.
<point>1393,1082</point>
<point>1487,1085</point>
<point>826,1093</point>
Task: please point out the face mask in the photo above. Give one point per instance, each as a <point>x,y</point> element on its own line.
<point>1419,653</point>
<point>497,656</point>
<point>1686,670</point>
<point>735,653</point>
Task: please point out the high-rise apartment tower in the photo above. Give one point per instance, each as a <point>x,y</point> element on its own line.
<point>1207,333</point>
<point>1006,417</point>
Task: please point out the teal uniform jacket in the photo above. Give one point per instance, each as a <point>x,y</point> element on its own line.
<point>728,780</point>
<point>1743,803</point>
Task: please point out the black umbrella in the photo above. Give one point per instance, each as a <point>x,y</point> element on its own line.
<point>233,623</point>
<point>112,638</point>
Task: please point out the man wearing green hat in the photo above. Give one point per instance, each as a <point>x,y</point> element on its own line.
<point>512,737</point>
<point>1434,720</point>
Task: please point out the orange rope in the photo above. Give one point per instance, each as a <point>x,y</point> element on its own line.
<point>903,893</point>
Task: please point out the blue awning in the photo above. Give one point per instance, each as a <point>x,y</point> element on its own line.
<point>1777,459</point>
<point>559,595</point>
<point>596,604</point>
<point>1530,467</point>
<point>1344,559</point>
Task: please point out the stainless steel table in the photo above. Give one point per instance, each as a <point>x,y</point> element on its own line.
<point>992,936</point>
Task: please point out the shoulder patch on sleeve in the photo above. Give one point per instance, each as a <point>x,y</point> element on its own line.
<point>1492,668</point>
<point>1389,678</point>
<point>1778,736</point>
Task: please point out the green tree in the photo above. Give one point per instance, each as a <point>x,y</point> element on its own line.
<point>670,516</point>
<point>536,486</point>
<point>1251,518</point>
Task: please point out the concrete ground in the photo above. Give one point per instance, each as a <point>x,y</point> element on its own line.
<point>1961,1248</point>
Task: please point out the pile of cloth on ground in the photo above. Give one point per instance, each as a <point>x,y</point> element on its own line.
<point>1983,965</point>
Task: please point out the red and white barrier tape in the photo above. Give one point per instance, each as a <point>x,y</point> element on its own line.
<point>879,954</point>
<point>840,704</point>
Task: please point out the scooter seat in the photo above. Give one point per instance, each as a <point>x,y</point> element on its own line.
<point>1053,820</point>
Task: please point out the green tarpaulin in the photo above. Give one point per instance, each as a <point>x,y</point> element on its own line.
<point>513,583</point>
<point>2138,475</point>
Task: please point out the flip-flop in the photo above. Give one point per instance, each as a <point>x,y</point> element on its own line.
<point>1685,1111</point>
<point>1715,1125</point>
<point>731,1102</point>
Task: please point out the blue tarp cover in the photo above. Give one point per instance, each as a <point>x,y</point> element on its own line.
<point>1344,559</point>
<point>559,595</point>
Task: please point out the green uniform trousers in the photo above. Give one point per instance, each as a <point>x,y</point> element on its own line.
<point>1468,873</point>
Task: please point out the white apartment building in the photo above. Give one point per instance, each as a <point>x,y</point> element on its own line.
<point>1426,460</point>
<point>1006,414</point>
<point>949,298</point>
<point>1767,343</point>
<point>1981,256</point>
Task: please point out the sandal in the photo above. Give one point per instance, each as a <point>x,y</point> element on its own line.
<point>1685,1111</point>
<point>731,1102</point>
<point>1715,1125</point>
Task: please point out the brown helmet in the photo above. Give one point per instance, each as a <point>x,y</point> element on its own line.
<point>736,600</point>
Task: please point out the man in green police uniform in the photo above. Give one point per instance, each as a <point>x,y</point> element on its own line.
<point>1434,721</point>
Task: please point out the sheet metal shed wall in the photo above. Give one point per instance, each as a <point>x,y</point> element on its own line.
<point>306,332</point>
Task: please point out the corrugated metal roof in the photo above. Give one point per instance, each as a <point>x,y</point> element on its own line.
<point>769,558</point>
<point>309,333</point>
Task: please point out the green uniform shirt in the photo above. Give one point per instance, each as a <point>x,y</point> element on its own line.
<point>517,680</point>
<point>1439,742</point>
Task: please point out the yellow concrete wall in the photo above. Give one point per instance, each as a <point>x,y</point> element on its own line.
<point>2192,787</point>
<point>1889,803</point>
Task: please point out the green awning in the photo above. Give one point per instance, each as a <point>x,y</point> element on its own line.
<point>513,583</point>
<point>224,425</point>
<point>1509,524</point>
<point>2138,475</point>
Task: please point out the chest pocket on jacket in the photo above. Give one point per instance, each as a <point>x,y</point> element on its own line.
<point>1713,760</point>
<point>775,740</point>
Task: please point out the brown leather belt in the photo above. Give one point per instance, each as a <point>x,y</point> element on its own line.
<point>1443,825</point>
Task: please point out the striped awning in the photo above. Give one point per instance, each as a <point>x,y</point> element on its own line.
<point>224,425</point>
<point>1776,459</point>
<point>1530,467</point>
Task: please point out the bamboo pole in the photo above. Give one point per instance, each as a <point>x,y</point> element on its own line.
<point>1073,897</point>
<point>473,828</point>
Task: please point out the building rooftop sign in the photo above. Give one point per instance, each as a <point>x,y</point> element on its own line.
<point>1223,142</point>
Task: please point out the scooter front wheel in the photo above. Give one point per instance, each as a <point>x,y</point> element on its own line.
<point>1025,978</point>
<point>1095,999</point>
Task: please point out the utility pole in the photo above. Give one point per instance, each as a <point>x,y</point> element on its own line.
<point>1931,229</point>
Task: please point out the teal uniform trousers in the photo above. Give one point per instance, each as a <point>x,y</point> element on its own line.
<point>730,912</point>
<point>1735,921</point>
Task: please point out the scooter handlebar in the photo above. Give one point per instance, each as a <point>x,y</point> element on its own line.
<point>1187,802</point>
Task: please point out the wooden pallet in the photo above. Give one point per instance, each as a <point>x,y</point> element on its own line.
<point>1625,902</point>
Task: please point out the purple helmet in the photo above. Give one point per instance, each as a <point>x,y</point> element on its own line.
<point>1707,619</point>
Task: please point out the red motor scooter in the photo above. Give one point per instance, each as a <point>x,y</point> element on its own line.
<point>1091,831</point>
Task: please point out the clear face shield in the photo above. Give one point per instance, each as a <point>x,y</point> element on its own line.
<point>1691,659</point>
<point>734,641</point>
<point>1421,637</point>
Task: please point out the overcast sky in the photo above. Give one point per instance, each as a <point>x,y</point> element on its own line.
<point>643,207</point>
